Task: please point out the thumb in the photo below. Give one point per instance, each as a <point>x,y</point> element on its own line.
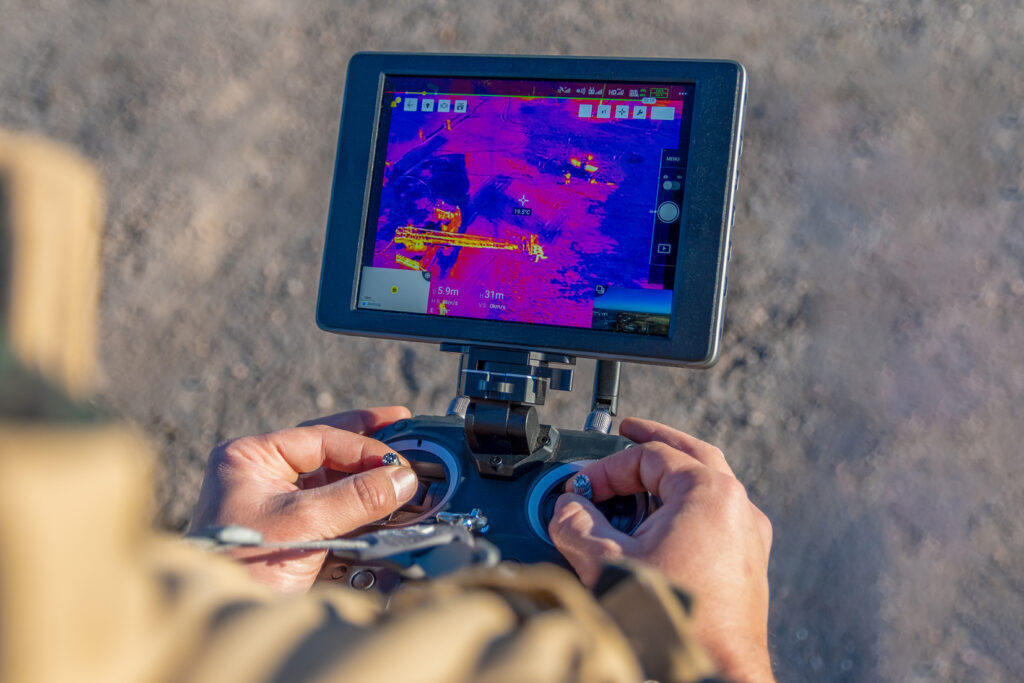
<point>584,536</point>
<point>358,499</point>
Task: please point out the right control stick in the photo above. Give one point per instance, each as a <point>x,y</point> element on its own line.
<point>606,397</point>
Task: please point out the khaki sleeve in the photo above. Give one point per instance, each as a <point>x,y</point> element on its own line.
<point>510,623</point>
<point>51,218</point>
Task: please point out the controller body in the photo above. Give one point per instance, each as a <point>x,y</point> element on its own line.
<point>517,504</point>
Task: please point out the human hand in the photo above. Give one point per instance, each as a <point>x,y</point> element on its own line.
<point>707,537</point>
<point>290,485</point>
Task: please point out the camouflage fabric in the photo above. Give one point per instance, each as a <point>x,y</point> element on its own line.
<point>88,592</point>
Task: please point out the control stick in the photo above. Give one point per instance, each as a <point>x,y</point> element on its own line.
<point>606,397</point>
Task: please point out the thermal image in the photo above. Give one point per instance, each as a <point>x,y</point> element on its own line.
<point>528,208</point>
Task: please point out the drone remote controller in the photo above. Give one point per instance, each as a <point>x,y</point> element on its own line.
<point>490,466</point>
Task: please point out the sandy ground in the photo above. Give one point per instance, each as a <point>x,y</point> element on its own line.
<point>869,389</point>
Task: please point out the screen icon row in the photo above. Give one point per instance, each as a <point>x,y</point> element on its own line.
<point>620,91</point>
<point>623,111</point>
<point>443,106</point>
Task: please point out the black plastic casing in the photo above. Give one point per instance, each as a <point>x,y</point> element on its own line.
<point>708,208</point>
<point>505,502</point>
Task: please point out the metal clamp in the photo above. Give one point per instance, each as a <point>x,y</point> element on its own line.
<point>473,521</point>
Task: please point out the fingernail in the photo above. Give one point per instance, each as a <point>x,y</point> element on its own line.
<point>404,481</point>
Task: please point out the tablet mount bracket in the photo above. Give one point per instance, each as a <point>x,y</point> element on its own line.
<point>503,388</point>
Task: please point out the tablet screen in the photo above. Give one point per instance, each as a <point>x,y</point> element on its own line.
<point>532,201</point>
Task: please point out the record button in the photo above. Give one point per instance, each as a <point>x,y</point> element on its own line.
<point>668,212</point>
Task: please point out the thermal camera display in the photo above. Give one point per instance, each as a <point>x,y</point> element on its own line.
<point>529,201</point>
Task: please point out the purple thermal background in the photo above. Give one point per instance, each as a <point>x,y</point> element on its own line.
<point>519,171</point>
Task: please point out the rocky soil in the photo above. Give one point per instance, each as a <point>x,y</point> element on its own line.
<point>869,391</point>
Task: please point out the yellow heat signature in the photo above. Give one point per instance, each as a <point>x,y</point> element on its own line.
<point>419,239</point>
<point>450,221</point>
<point>407,262</point>
<point>587,165</point>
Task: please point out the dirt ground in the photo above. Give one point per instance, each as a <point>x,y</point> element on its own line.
<point>869,391</point>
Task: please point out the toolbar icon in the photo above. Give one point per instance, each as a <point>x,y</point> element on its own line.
<point>409,104</point>
<point>622,111</point>
<point>663,113</point>
<point>460,106</point>
<point>604,111</point>
<point>586,111</point>
<point>444,106</point>
<point>428,105</point>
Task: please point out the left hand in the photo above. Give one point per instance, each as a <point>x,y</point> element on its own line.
<point>290,486</point>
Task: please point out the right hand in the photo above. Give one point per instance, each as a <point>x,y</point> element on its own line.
<point>707,537</point>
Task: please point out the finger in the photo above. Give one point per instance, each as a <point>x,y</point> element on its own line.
<point>291,452</point>
<point>357,500</point>
<point>654,467</point>
<point>765,524</point>
<point>362,421</point>
<point>643,431</point>
<point>584,536</point>
<point>322,476</point>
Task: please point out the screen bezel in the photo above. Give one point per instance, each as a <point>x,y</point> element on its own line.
<point>699,288</point>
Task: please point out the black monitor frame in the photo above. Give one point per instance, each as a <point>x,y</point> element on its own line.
<point>708,206</point>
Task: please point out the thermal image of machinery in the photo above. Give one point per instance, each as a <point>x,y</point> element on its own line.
<point>448,221</point>
<point>419,239</point>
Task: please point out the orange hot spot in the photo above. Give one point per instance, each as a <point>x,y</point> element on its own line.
<point>590,168</point>
<point>448,124</point>
<point>590,157</point>
<point>593,181</point>
<point>575,162</point>
<point>421,135</point>
<point>567,176</point>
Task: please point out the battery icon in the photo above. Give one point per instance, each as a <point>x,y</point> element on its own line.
<point>659,92</point>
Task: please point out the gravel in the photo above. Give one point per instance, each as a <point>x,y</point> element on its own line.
<point>869,389</point>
